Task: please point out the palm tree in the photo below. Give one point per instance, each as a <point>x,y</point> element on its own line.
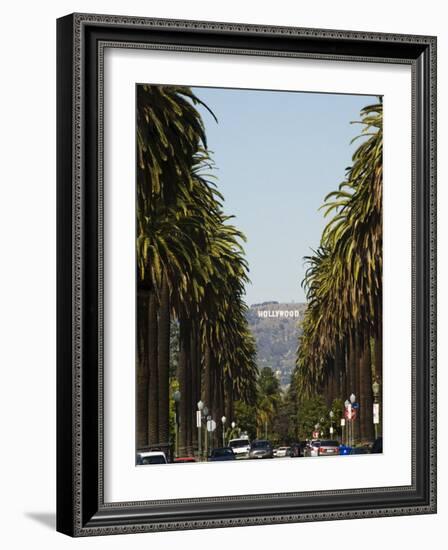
<point>269,398</point>
<point>142,375</point>
<point>170,138</point>
<point>190,263</point>
<point>344,281</point>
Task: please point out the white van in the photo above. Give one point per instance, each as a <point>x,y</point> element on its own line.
<point>151,457</point>
<point>240,447</point>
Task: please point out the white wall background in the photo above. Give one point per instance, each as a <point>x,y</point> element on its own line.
<point>27,274</point>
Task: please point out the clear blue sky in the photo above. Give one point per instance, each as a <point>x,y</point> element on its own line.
<point>277,155</point>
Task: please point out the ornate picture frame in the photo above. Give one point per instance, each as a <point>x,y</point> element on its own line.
<point>81,506</point>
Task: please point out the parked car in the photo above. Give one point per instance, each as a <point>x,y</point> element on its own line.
<point>297,449</point>
<point>283,451</point>
<point>240,447</point>
<point>359,451</point>
<point>377,446</point>
<point>312,448</point>
<point>184,459</point>
<point>222,454</point>
<point>261,448</point>
<point>328,447</point>
<point>151,457</point>
<point>322,447</point>
<point>344,450</point>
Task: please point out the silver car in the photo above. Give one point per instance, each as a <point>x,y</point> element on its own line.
<point>261,448</point>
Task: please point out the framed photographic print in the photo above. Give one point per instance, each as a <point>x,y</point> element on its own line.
<point>246,275</point>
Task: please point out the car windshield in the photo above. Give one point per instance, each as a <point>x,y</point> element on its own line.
<point>260,444</point>
<point>239,443</point>
<point>156,459</point>
<point>222,452</point>
<point>329,444</point>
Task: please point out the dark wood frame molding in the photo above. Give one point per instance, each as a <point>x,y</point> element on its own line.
<point>81,39</point>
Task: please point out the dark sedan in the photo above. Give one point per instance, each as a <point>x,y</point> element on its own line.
<point>359,451</point>
<point>261,449</point>
<point>377,445</point>
<point>222,454</point>
<point>297,449</point>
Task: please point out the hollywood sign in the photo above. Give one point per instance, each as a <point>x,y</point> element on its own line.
<point>278,313</point>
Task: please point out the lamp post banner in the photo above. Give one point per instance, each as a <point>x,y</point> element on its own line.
<point>376,413</point>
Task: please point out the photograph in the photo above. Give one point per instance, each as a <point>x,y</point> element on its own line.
<point>259,293</point>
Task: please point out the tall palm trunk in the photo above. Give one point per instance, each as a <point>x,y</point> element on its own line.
<point>379,360</point>
<point>188,390</point>
<point>142,374</point>
<point>348,368</point>
<point>379,377</point>
<point>327,387</point>
<point>332,382</point>
<point>207,377</point>
<point>199,362</point>
<point>212,404</point>
<point>219,405</point>
<point>153,383</point>
<point>366,396</point>
<point>183,375</point>
<point>338,372</point>
<point>353,379</point>
<point>344,367</point>
<point>357,389</point>
<point>194,383</point>
<point>163,351</point>
<point>228,398</point>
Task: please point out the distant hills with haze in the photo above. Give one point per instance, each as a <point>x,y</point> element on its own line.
<point>275,327</point>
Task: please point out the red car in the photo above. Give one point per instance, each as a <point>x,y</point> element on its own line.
<point>184,459</point>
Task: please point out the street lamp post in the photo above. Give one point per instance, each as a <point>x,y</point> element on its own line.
<point>352,401</point>
<point>331,423</point>
<point>223,420</point>
<point>376,406</point>
<point>205,417</point>
<point>347,427</point>
<point>199,426</point>
<point>233,425</point>
<point>176,397</point>
<point>207,436</point>
<point>343,432</point>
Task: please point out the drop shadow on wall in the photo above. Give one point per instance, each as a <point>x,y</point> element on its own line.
<point>48,519</point>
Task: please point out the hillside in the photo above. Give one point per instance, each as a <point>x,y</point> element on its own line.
<point>276,331</point>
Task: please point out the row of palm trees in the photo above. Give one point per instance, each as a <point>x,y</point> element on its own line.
<point>191,271</point>
<point>340,350</point>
